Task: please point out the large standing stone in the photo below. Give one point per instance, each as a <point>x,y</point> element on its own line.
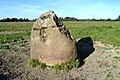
<point>51,41</point>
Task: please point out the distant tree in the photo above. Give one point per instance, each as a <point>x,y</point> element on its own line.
<point>20,19</point>
<point>67,19</point>
<point>115,19</point>
<point>101,19</point>
<point>119,18</point>
<point>84,20</point>
<point>23,19</point>
<point>3,20</point>
<point>14,20</point>
<point>62,19</point>
<point>27,19</point>
<point>34,20</point>
<point>7,20</point>
<point>70,19</point>
<point>108,19</point>
<point>93,19</point>
<point>87,19</point>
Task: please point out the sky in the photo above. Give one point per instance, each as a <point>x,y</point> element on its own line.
<point>81,9</point>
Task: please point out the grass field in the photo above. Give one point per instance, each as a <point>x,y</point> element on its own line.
<point>15,26</point>
<point>102,64</point>
<point>106,32</point>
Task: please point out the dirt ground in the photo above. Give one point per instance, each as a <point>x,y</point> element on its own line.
<point>102,64</point>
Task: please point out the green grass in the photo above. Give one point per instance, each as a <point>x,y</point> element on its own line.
<point>37,63</point>
<point>117,58</point>
<point>8,41</point>
<point>15,26</point>
<point>105,31</point>
<point>66,66</point>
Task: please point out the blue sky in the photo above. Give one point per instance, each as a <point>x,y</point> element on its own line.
<point>82,9</point>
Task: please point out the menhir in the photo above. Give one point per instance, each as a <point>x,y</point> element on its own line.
<point>50,40</point>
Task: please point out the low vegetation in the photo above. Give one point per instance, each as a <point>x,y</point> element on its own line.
<point>37,63</point>
<point>106,32</point>
<point>73,63</point>
<point>15,26</point>
<point>63,66</point>
<point>9,41</point>
<point>117,58</point>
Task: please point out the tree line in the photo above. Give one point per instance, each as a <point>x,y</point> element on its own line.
<point>61,18</point>
<point>16,20</point>
<point>75,19</point>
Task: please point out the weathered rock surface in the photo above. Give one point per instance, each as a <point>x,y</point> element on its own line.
<point>51,41</point>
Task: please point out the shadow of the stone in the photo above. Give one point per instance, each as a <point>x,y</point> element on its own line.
<point>84,49</point>
<point>4,77</point>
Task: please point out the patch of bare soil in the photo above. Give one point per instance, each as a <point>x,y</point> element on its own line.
<point>102,64</point>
